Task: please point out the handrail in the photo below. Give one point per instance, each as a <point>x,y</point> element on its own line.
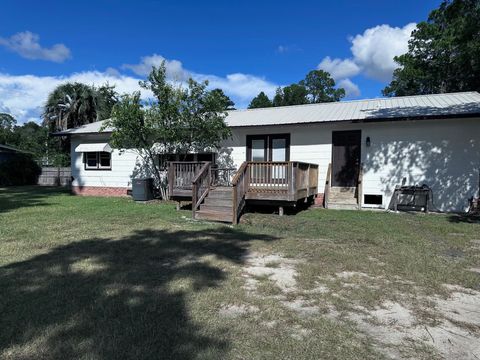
<point>221,176</point>
<point>328,181</point>
<point>181,174</point>
<point>200,186</point>
<point>360,187</point>
<point>240,184</point>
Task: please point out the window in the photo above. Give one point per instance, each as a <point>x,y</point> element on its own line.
<point>98,161</point>
<point>373,199</point>
<point>164,159</point>
<point>275,147</point>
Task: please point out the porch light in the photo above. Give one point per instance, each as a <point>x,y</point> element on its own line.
<point>368,143</point>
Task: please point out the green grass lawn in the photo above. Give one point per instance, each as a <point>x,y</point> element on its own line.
<point>106,278</point>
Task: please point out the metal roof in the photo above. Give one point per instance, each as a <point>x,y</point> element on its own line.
<point>463,104</point>
<point>406,107</point>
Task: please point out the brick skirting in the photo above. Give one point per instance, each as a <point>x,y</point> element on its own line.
<point>99,191</point>
<point>319,200</point>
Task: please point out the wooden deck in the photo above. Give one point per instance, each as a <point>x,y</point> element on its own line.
<point>272,183</point>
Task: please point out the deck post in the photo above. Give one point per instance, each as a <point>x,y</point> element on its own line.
<point>280,210</point>
<point>178,205</point>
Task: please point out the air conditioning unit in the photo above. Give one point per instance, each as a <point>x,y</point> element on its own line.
<point>142,189</point>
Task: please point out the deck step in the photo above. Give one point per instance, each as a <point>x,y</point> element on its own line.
<point>218,201</point>
<point>343,198</point>
<point>220,194</point>
<point>342,206</point>
<point>213,216</point>
<point>342,190</point>
<point>224,209</point>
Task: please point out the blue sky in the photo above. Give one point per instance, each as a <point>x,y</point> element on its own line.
<point>240,46</point>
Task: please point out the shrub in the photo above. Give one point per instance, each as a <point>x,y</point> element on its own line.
<point>19,169</point>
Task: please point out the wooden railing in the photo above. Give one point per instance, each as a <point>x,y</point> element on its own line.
<point>200,186</point>
<point>269,176</point>
<point>181,175</point>
<point>305,180</point>
<point>282,181</point>
<point>360,187</point>
<point>328,185</point>
<point>240,184</point>
<point>222,176</point>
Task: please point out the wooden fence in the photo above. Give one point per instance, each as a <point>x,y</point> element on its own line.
<point>55,176</point>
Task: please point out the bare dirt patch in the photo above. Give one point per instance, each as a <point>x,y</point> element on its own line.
<point>282,274</point>
<point>395,327</point>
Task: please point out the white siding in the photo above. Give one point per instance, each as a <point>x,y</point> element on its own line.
<point>444,154</point>
<point>123,166</point>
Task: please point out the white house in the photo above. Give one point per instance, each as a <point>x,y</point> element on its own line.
<point>413,140</point>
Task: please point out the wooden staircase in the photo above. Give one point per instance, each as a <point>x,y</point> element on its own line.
<point>218,196</point>
<point>217,205</point>
<point>343,198</point>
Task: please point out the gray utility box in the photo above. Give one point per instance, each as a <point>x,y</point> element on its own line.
<point>142,189</point>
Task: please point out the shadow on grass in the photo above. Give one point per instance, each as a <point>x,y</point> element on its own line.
<point>16,197</point>
<point>464,218</point>
<point>112,299</point>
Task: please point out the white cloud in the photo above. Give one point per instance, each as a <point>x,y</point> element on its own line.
<point>241,87</point>
<point>372,55</point>
<point>351,89</point>
<point>25,95</point>
<point>283,49</point>
<point>174,68</point>
<point>374,50</point>
<point>27,45</point>
<point>338,68</point>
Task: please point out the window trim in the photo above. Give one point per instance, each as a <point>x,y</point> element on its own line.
<point>163,165</point>
<point>98,166</point>
<point>268,138</point>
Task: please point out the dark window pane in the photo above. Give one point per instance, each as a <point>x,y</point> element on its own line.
<point>91,159</point>
<point>105,159</point>
<point>188,157</point>
<point>164,159</point>
<point>205,157</point>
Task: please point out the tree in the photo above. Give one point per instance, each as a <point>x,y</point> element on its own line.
<point>321,87</point>
<point>7,124</point>
<point>317,87</point>
<point>294,94</point>
<point>260,101</point>
<point>228,104</point>
<point>31,137</point>
<point>178,120</point>
<point>74,104</point>
<point>443,53</point>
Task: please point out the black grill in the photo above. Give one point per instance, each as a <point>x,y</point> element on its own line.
<point>412,198</point>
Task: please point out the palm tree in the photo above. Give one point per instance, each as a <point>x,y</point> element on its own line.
<point>75,104</point>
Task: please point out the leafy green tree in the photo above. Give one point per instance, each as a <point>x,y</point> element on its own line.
<point>294,94</point>
<point>7,124</point>
<point>74,104</point>
<point>321,87</point>
<point>178,120</point>
<point>260,101</point>
<point>317,87</point>
<point>228,103</point>
<point>33,138</point>
<point>443,53</point>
